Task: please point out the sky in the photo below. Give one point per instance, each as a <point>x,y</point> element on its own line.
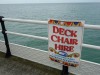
<point>44,1</point>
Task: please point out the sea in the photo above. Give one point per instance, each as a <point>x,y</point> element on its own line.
<point>89,12</point>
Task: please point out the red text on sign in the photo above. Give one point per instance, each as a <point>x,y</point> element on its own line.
<point>65,32</point>
<point>64,48</point>
<point>64,40</point>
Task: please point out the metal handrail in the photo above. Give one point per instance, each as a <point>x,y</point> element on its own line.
<point>27,35</point>
<point>91,46</point>
<point>45,22</point>
<point>45,38</point>
<point>25,21</point>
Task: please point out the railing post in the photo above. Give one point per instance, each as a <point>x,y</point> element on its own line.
<point>8,53</point>
<point>64,70</point>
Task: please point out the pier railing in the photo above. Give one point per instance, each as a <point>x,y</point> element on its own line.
<point>86,26</point>
<point>5,32</point>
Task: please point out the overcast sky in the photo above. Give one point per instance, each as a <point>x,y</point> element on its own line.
<point>44,1</point>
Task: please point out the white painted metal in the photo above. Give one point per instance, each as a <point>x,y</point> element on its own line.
<point>25,21</point>
<point>87,26</point>
<point>26,35</point>
<point>45,22</point>
<point>45,38</point>
<point>91,46</point>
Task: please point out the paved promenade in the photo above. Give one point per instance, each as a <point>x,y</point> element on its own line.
<point>17,66</point>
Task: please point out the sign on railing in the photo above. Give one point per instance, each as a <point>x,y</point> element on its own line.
<point>65,41</point>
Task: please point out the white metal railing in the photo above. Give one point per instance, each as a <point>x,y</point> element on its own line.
<point>27,35</point>
<point>45,23</point>
<point>45,38</point>
<point>25,21</point>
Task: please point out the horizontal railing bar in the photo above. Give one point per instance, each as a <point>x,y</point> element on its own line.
<point>45,38</point>
<point>26,35</point>
<point>25,21</point>
<point>87,26</point>
<point>45,22</point>
<point>91,46</point>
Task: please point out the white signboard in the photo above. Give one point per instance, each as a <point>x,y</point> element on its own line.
<point>65,41</point>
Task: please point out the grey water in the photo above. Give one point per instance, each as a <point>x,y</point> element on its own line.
<point>89,12</point>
